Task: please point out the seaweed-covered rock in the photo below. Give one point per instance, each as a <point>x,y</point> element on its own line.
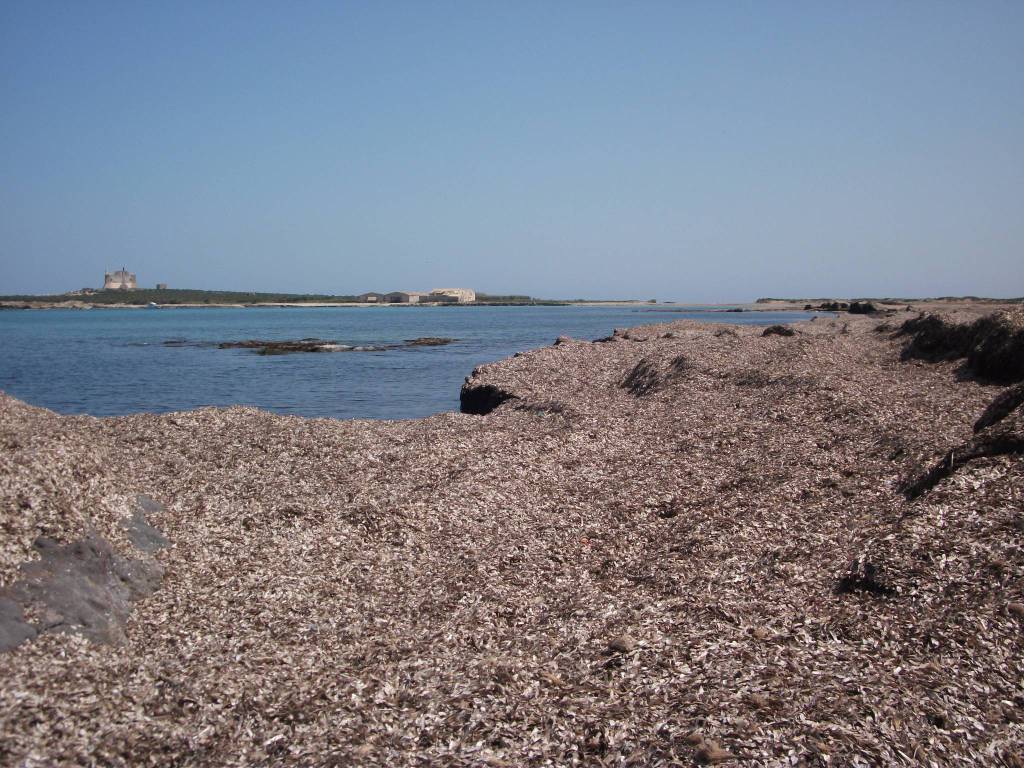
<point>992,345</point>
<point>273,347</point>
<point>481,399</point>
<point>778,330</point>
<point>429,341</point>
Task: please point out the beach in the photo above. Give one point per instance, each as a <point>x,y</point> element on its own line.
<point>683,542</point>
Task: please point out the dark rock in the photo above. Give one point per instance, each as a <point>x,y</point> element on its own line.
<point>778,330</point>
<point>141,534</point>
<point>84,587</point>
<point>288,347</point>
<point>268,347</point>
<point>429,341</point>
<point>481,399</point>
<point>14,630</point>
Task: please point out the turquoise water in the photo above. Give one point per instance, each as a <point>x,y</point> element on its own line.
<point>112,361</point>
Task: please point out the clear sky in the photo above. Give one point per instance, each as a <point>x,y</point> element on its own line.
<point>696,151</point>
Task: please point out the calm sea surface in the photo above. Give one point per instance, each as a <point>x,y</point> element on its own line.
<point>113,361</point>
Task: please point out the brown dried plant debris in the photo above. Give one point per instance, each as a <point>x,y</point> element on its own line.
<point>617,580</point>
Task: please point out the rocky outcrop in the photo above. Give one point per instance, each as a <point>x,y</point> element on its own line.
<point>429,341</point>
<point>481,399</point>
<point>85,587</point>
<point>288,347</point>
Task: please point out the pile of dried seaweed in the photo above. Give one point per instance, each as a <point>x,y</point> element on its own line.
<point>993,345</point>
<point>685,543</point>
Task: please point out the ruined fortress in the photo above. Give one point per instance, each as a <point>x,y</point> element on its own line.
<point>122,280</point>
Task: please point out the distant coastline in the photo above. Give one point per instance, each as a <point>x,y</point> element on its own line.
<point>199,299</point>
<point>190,298</point>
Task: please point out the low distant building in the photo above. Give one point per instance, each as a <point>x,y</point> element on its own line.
<point>460,295</point>
<point>122,280</point>
<point>404,297</point>
<point>161,286</point>
<point>371,298</point>
<point>441,298</point>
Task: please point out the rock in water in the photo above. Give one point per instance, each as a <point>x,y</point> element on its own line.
<point>429,341</point>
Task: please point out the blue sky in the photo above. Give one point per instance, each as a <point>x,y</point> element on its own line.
<point>679,150</point>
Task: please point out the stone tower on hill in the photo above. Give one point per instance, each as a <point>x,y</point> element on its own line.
<point>122,280</point>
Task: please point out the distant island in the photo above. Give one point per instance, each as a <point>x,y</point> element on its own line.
<point>189,297</point>
<point>121,289</point>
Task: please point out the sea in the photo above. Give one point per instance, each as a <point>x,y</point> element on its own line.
<point>109,362</point>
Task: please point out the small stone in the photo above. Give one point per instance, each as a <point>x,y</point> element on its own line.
<point>621,644</point>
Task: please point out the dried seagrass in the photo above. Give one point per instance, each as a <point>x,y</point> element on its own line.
<point>449,591</point>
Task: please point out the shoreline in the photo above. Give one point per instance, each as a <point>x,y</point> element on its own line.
<point>685,533</point>
<point>762,305</point>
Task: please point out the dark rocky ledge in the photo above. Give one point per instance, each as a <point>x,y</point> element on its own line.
<point>290,346</point>
<point>481,399</point>
<point>84,587</point>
